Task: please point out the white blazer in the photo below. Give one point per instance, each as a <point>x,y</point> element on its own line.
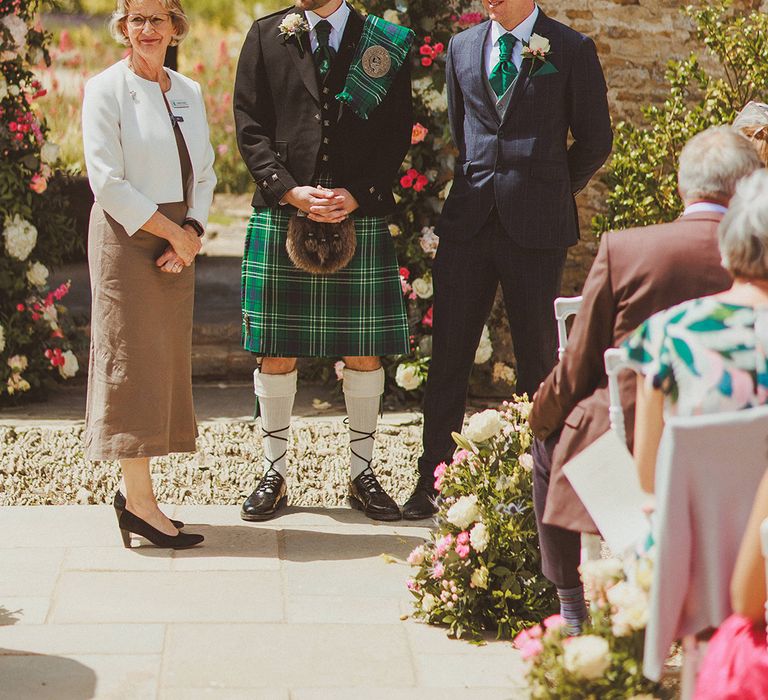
<point>130,150</point>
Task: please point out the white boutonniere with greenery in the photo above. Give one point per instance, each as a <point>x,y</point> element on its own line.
<point>538,49</point>
<point>293,25</point>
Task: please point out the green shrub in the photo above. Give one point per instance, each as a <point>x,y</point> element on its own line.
<point>641,174</point>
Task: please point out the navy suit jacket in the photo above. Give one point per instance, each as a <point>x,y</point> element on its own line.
<point>522,163</point>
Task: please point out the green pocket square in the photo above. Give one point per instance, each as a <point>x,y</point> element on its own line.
<point>544,69</point>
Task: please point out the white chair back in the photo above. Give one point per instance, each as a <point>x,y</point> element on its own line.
<point>615,361</point>
<point>707,471</point>
<point>565,307</point>
<point>764,542</point>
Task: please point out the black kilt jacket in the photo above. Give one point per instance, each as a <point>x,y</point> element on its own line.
<point>291,129</point>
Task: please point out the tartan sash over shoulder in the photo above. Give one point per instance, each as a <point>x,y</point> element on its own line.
<point>365,89</point>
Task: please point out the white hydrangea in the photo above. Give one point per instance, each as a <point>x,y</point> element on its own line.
<point>2,338</point>
<point>18,29</point>
<point>484,425</point>
<point>49,153</point>
<point>478,537</point>
<point>392,16</point>
<point>20,237</point>
<point>464,512</point>
<point>70,367</point>
<point>587,656</point>
<point>37,274</point>
<point>423,287</point>
<point>485,347</point>
<point>408,377</point>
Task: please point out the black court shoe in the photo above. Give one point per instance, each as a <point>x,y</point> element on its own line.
<point>119,504</point>
<point>421,504</point>
<point>130,523</point>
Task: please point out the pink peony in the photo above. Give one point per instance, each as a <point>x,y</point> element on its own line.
<point>443,545</point>
<point>440,469</point>
<point>462,550</point>
<point>438,570</point>
<point>535,632</point>
<point>460,456</point>
<point>38,184</point>
<point>463,537</point>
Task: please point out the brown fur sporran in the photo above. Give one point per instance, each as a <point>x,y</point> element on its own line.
<point>318,248</point>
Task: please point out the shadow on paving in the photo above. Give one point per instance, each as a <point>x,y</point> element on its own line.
<point>32,676</point>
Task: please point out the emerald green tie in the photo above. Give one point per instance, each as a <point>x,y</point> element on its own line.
<point>324,53</point>
<point>505,71</point>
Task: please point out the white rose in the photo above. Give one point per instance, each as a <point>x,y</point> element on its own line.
<point>37,274</point>
<point>70,367</point>
<point>49,153</point>
<point>392,16</point>
<point>538,43</point>
<point>631,604</point>
<point>483,353</point>
<point>479,578</point>
<point>2,338</point>
<point>394,230</point>
<point>429,241</point>
<point>50,314</point>
<point>598,574</point>
<point>587,656</point>
<point>526,462</point>
<point>3,87</point>
<point>408,377</point>
<point>18,29</point>
<point>18,363</point>
<point>483,426</point>
<point>464,512</point>
<point>422,287</point>
<point>20,237</point>
<point>428,602</point>
<point>292,24</point>
<point>478,537</point>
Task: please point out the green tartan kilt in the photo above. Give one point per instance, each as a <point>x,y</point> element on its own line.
<point>357,311</point>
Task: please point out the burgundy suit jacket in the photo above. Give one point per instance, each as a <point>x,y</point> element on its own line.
<point>636,273</point>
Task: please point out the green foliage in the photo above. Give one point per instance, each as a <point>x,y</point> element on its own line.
<point>471,580</point>
<point>642,173</point>
<point>37,232</point>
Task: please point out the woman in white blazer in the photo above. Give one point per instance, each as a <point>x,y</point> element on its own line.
<point>150,165</point>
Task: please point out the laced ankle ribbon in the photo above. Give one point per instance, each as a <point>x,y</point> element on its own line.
<point>271,434</point>
<point>365,436</point>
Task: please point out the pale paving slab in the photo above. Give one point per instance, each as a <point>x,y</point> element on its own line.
<point>474,693</point>
<point>59,526</point>
<point>22,575</point>
<point>20,610</point>
<point>225,694</point>
<point>335,609</point>
<point>75,639</point>
<point>464,670</point>
<point>109,677</point>
<point>162,596</point>
<point>272,656</point>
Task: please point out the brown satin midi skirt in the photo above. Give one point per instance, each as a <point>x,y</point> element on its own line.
<point>140,370</point>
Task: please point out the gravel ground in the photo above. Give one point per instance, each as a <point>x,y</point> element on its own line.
<point>45,466</point>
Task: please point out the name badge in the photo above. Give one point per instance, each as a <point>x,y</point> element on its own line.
<point>179,104</point>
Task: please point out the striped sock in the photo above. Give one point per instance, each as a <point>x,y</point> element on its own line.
<point>573,608</point>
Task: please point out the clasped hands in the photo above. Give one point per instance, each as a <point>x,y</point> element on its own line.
<point>182,250</point>
<point>322,204</point>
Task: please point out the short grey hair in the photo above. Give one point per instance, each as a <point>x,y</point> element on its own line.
<point>179,18</point>
<point>752,121</point>
<point>712,162</point>
<point>743,232</point>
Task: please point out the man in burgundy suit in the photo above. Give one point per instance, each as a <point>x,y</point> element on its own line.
<point>635,274</point>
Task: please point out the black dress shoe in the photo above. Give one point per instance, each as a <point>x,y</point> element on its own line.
<point>269,497</point>
<point>130,523</point>
<point>119,504</point>
<point>366,494</point>
<point>421,504</point>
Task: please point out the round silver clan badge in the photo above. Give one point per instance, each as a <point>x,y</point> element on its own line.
<point>376,61</point>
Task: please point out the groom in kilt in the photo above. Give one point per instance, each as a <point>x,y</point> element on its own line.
<point>323,114</point>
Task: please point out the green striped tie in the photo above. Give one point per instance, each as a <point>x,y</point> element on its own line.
<point>505,71</point>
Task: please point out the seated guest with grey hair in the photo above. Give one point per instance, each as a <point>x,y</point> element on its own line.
<point>150,165</point>
<point>635,274</point>
<point>708,355</point>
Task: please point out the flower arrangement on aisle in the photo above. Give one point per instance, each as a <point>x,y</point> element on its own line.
<point>36,230</point>
<point>606,660</point>
<point>480,570</point>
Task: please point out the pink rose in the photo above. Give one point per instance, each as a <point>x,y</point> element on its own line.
<point>440,469</point>
<point>531,649</point>
<point>418,133</point>
<point>462,550</point>
<point>38,184</point>
<point>222,149</point>
<point>554,622</point>
<point>339,369</point>
<point>535,632</point>
<point>443,545</point>
<point>463,537</point>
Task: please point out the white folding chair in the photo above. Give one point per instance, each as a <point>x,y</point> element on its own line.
<point>707,471</point>
<point>565,307</point>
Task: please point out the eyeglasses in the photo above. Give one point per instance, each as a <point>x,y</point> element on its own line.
<point>138,22</point>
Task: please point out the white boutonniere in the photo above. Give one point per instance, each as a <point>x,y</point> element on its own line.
<point>537,47</point>
<point>293,25</point>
